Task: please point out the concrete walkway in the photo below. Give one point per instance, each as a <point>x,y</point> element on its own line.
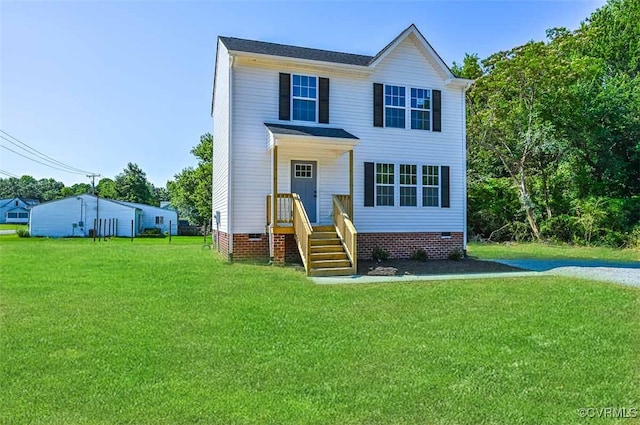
<point>7,232</point>
<point>623,273</point>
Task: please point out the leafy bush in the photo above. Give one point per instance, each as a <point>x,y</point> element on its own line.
<point>23,233</point>
<point>493,202</point>
<point>633,240</point>
<point>456,255</point>
<point>419,255</point>
<point>380,254</point>
<point>561,228</point>
<point>151,232</point>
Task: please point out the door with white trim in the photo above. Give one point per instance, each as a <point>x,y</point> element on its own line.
<point>304,179</point>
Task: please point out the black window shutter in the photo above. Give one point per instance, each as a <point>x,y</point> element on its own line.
<point>377,105</point>
<point>437,110</point>
<point>369,187</point>
<point>285,97</point>
<point>444,189</point>
<point>323,100</point>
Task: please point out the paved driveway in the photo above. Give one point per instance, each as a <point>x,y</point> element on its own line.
<point>622,272</point>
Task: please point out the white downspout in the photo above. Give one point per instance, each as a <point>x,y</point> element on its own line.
<point>230,164</point>
<point>464,162</point>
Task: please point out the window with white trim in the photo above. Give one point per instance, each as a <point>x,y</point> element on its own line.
<point>303,171</point>
<point>394,106</point>
<point>430,185</point>
<point>304,98</point>
<point>420,109</point>
<point>408,185</point>
<point>159,219</point>
<point>385,184</point>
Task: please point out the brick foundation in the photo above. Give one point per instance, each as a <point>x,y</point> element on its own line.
<point>256,248</point>
<point>402,245</point>
<point>291,253</point>
<point>221,242</point>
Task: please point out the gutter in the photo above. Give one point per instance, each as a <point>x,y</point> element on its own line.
<point>464,161</point>
<point>232,59</point>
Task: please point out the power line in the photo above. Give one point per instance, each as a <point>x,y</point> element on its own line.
<point>39,162</point>
<point>8,174</point>
<point>25,147</point>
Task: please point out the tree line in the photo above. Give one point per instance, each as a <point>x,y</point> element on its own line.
<point>189,193</point>
<point>130,185</point>
<point>553,134</point>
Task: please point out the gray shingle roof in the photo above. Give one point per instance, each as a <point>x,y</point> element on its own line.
<point>274,49</point>
<point>301,130</point>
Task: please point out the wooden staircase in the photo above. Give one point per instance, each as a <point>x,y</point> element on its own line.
<point>327,255</point>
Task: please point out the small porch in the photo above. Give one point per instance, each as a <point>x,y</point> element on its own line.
<point>312,197</point>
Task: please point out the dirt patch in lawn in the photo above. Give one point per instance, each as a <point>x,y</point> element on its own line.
<point>431,267</point>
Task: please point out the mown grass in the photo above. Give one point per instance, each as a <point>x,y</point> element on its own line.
<point>10,226</point>
<point>152,333</point>
<point>514,250</point>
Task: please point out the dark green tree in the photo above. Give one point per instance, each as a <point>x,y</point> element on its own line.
<point>106,188</point>
<point>132,185</point>
<point>190,192</point>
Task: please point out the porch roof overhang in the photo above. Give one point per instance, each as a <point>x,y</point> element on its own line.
<point>320,137</point>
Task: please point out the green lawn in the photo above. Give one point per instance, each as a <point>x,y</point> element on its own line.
<point>540,250</point>
<point>5,226</point>
<point>145,332</point>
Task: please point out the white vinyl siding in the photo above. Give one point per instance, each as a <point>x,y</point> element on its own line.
<point>57,218</point>
<point>351,108</point>
<point>153,216</point>
<point>221,141</point>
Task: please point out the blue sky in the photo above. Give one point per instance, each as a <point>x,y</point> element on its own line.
<point>99,84</point>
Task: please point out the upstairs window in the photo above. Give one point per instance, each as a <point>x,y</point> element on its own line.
<point>394,106</point>
<point>384,184</point>
<point>304,98</point>
<point>397,106</point>
<point>420,109</point>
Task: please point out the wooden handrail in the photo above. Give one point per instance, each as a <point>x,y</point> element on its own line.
<point>284,208</point>
<point>345,201</point>
<point>268,221</point>
<point>303,230</point>
<point>345,228</point>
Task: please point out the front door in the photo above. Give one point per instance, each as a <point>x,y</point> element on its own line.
<point>303,182</point>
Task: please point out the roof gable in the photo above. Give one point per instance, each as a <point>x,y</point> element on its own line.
<point>427,50</point>
<point>305,53</point>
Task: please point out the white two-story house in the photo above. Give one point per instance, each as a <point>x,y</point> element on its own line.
<point>325,156</point>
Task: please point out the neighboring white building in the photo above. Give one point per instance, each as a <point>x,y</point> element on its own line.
<point>15,210</point>
<point>157,217</point>
<point>386,133</point>
<point>83,215</point>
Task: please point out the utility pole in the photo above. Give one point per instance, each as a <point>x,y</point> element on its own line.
<point>93,182</point>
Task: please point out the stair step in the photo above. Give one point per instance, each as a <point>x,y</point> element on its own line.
<point>324,235</point>
<point>324,229</point>
<point>326,248</point>
<point>319,264</point>
<point>335,255</point>
<point>319,241</point>
<point>332,271</point>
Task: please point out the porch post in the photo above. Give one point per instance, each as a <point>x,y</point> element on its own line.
<point>274,197</point>
<point>351,183</point>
